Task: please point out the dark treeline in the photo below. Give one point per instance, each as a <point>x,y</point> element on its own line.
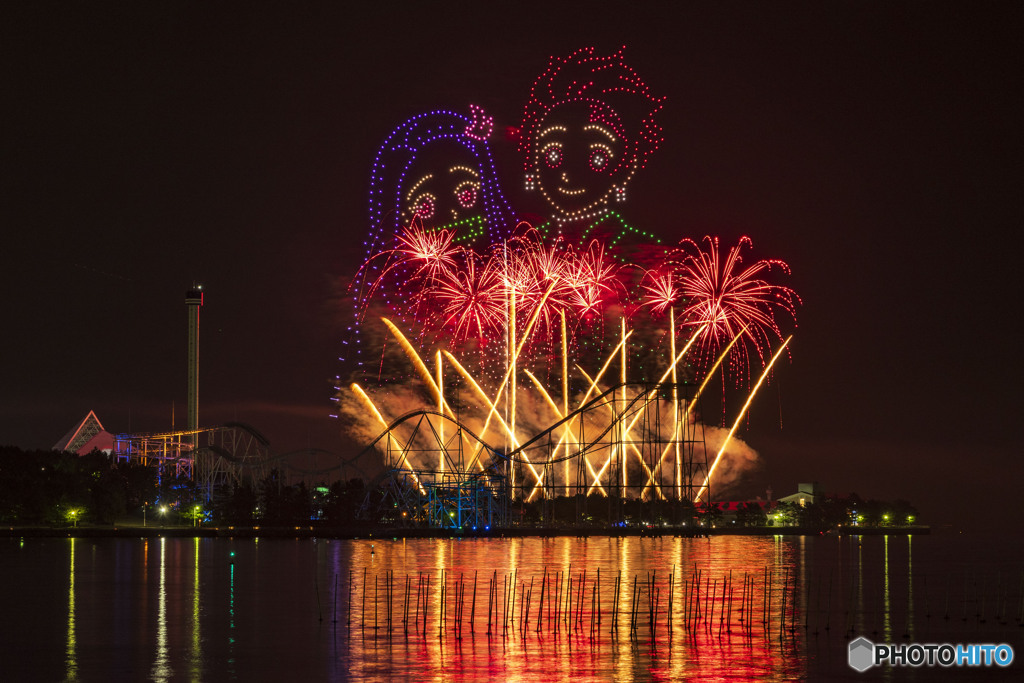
<point>61,488</point>
<point>831,513</point>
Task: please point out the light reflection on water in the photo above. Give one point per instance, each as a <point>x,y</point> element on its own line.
<point>736,607</point>
<point>161,665</point>
<point>70,655</point>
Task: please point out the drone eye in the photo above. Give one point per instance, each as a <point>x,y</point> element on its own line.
<point>424,207</point>
<point>466,195</point>
<point>599,158</point>
<point>553,155</point>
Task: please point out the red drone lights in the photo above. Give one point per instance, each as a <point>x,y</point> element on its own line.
<point>588,126</point>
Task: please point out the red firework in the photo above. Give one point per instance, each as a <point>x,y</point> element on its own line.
<point>419,258</point>
<point>473,297</point>
<point>463,294</point>
<point>728,298</point>
<point>430,251</point>
<point>662,291</point>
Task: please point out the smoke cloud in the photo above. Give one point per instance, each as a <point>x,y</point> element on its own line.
<point>647,451</point>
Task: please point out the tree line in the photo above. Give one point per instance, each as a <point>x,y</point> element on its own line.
<point>44,487</point>
<point>60,488</point>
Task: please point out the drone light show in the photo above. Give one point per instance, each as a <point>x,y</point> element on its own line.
<point>526,363</point>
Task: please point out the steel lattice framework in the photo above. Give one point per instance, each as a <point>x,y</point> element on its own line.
<point>232,453</point>
<point>632,441</point>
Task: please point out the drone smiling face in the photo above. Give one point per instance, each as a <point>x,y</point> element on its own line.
<point>581,158</point>
<point>443,189</point>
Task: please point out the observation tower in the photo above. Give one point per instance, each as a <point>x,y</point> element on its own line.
<point>194,301</point>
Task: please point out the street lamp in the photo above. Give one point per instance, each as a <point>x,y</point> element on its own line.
<point>195,522</point>
<point>163,515</point>
<point>143,515</point>
<point>74,518</point>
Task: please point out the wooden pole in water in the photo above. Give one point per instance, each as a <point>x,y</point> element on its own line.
<point>726,614</point>
<point>363,620</point>
<point>742,600</point>
<point>650,601</point>
<point>568,601</point>
<point>633,606</point>
<point>462,603</point>
<point>582,594</point>
<point>472,607</point>
<point>490,590</point>
<point>522,601</point>
<point>540,603</point>
<point>766,600</point>
<point>442,616</point>
<point>615,602</point>
<point>348,617</point>
<point>457,620</point>
<point>657,602</point>
<point>711,612</point>
<point>672,590</point>
<point>426,598</point>
<point>686,604</point>
<point>504,602</point>
<point>419,590</point>
<point>515,581</point>
<point>405,607</point>
<point>707,604</point>
<point>750,605</point>
<point>782,613</point>
<point>526,621</point>
<point>696,600</point>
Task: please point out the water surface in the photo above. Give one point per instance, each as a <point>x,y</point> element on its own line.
<point>720,608</point>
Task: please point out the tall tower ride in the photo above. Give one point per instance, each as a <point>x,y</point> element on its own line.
<point>194,301</point>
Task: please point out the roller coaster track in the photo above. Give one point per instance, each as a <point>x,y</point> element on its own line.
<point>425,450</point>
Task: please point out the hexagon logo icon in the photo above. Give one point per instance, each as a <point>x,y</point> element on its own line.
<point>861,654</point>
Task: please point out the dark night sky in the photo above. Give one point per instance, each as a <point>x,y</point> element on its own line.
<point>874,146</point>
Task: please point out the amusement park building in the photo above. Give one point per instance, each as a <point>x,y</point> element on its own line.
<point>86,436</point>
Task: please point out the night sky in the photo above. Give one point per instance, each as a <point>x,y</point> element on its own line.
<point>874,146</point>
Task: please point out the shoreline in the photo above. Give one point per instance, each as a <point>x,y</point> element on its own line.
<point>132,531</point>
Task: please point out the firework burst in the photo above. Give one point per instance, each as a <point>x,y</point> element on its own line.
<point>459,294</point>
<point>462,294</point>
<point>661,291</point>
<point>472,298</point>
<point>728,298</point>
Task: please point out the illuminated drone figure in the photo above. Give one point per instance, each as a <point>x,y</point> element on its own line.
<point>435,170</point>
<point>588,127</point>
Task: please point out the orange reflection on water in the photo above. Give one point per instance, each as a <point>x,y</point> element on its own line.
<point>622,608</point>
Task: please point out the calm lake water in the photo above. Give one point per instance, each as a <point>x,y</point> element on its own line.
<point>724,608</point>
